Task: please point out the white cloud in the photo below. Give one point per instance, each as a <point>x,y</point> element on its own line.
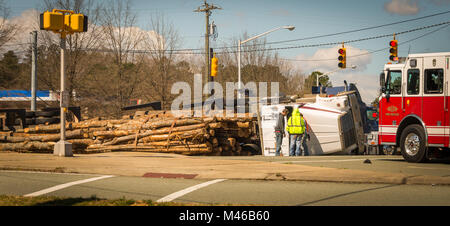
<point>28,21</point>
<point>402,7</point>
<point>325,60</point>
<point>367,84</point>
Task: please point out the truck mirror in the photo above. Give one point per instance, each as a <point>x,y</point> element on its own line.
<point>388,78</point>
<point>382,82</point>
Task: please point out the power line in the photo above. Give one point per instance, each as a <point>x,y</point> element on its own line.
<point>358,30</point>
<point>193,51</point>
<point>378,50</point>
<point>340,42</point>
<point>340,33</point>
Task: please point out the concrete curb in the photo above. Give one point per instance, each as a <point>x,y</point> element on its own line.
<point>154,163</point>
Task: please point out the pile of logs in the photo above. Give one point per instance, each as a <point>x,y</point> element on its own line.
<point>151,132</point>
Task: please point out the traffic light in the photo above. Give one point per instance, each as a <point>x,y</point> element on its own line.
<point>53,21</point>
<point>393,50</point>
<point>214,66</point>
<point>342,57</point>
<point>76,22</point>
<point>63,21</point>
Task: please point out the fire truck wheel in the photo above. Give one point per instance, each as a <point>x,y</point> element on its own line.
<point>412,143</point>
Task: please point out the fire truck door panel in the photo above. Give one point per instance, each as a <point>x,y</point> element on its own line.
<point>413,94</point>
<point>392,108</point>
<point>390,119</point>
<point>434,115</point>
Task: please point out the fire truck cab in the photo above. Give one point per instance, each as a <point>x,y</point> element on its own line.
<point>414,105</point>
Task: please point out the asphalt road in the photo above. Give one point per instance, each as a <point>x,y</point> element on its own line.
<point>238,192</point>
<point>378,163</point>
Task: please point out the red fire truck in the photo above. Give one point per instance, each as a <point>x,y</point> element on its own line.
<point>414,106</point>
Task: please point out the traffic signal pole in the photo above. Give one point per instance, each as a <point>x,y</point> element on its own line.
<point>210,75</point>
<point>63,22</point>
<point>62,147</point>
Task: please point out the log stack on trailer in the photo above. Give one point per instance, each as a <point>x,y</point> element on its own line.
<point>150,131</point>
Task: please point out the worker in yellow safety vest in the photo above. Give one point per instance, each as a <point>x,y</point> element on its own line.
<point>296,127</point>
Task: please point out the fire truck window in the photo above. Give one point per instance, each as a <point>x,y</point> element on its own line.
<point>434,80</point>
<point>413,81</point>
<point>395,84</point>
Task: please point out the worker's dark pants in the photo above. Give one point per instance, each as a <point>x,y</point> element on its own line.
<point>279,140</point>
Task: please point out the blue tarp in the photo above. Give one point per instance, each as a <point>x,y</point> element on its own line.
<point>327,90</point>
<point>335,90</point>
<point>316,90</point>
<point>23,93</point>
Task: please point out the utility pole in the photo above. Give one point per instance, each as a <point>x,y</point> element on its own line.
<point>33,70</point>
<point>207,9</point>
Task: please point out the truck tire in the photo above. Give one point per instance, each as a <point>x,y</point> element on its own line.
<point>252,148</point>
<point>412,144</point>
<point>30,114</point>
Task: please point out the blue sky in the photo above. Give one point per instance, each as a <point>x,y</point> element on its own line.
<point>310,18</point>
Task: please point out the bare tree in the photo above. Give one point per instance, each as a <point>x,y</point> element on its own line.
<point>257,64</point>
<point>77,44</point>
<point>161,43</point>
<point>7,29</point>
<point>122,38</point>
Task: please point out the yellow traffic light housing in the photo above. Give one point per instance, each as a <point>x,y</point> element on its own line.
<point>53,21</point>
<point>63,22</point>
<point>214,66</point>
<point>76,22</point>
<point>393,50</point>
<point>342,58</point>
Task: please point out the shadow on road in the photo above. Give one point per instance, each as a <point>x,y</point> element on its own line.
<point>67,201</point>
<point>432,160</point>
<point>345,194</point>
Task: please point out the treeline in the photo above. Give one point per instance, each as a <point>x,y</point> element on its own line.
<point>115,62</point>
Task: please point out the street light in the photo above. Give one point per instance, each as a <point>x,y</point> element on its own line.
<point>290,28</point>
<point>330,72</point>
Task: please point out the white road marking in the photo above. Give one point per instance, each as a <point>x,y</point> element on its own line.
<point>178,194</point>
<point>62,186</point>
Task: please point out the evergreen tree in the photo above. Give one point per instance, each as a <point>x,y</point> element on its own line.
<point>9,69</point>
